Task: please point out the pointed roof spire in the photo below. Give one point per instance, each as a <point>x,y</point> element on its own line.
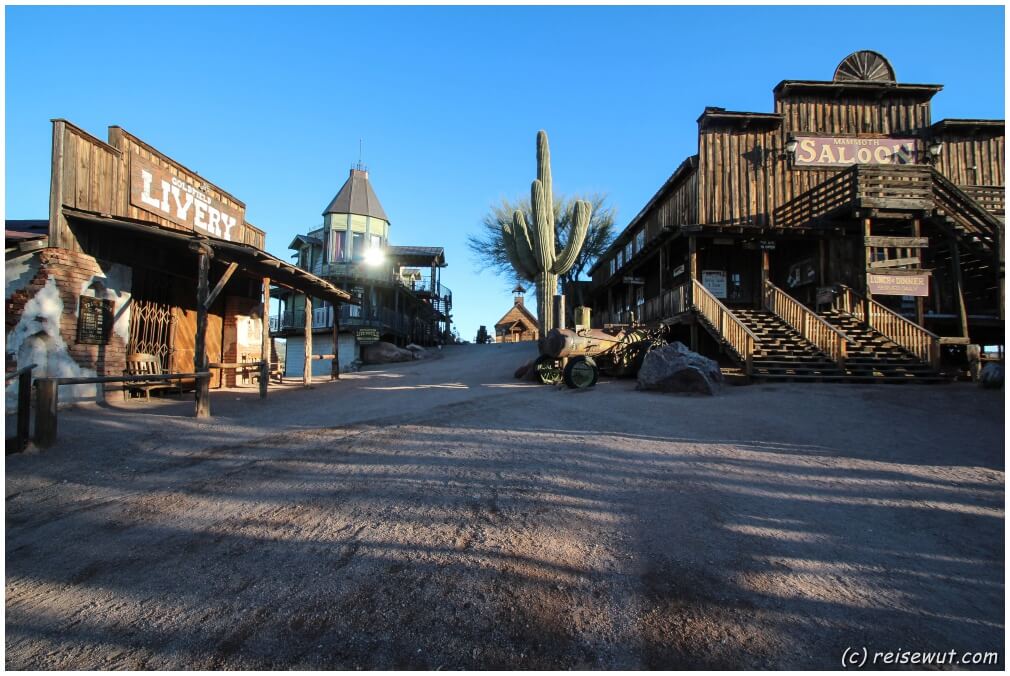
<point>357,197</point>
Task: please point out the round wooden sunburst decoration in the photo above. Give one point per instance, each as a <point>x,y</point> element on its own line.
<point>863,66</point>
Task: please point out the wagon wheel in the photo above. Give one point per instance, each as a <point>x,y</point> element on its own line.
<point>581,372</point>
<point>548,370</point>
<point>865,66</point>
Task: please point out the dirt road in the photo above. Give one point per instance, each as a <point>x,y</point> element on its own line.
<point>442,515</point>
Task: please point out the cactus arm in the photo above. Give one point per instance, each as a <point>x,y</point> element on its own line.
<point>544,245</point>
<point>509,241</point>
<point>581,213</point>
<point>525,251</point>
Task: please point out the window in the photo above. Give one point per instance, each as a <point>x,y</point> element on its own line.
<point>338,239</point>
<point>639,295</point>
<point>357,245</point>
<point>375,242</point>
<point>628,252</point>
<point>613,266</point>
<point>640,240</point>
<point>620,259</point>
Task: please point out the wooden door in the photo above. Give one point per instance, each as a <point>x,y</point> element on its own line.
<point>184,345</point>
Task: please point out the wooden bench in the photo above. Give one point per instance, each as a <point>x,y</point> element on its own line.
<point>143,364</point>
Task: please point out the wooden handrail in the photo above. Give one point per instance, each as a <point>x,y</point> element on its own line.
<point>47,394</point>
<point>736,334</point>
<point>924,344</point>
<point>17,374</point>
<point>807,323</point>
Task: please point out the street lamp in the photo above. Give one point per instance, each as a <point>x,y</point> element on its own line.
<point>374,257</point>
<point>935,148</point>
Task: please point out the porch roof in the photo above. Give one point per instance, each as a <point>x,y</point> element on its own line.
<point>247,256</point>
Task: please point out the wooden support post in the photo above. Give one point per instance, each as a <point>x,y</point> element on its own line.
<point>694,336</point>
<point>692,271</point>
<point>867,257</point>
<point>265,341</point>
<point>24,408</point>
<point>204,254</point>
<point>307,372</point>
<point>46,403</point>
<point>335,364</point>
<point>765,276</point>
<point>962,310</point>
<point>920,302</point>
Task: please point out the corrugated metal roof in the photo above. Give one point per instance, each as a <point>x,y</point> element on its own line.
<point>357,197</point>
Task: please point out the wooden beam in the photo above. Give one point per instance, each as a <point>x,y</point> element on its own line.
<point>229,271</point>
<point>895,262</point>
<point>867,256</point>
<point>200,348</point>
<point>307,372</point>
<point>265,341</point>
<point>920,302</point>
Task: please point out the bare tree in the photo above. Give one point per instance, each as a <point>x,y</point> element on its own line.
<point>489,250</point>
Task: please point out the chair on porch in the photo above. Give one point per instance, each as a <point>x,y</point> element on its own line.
<point>142,364</point>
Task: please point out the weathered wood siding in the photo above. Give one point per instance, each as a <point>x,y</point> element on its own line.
<point>973,159</point>
<point>737,175</point>
<point>92,175</point>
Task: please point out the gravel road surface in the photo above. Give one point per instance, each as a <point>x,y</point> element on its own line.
<point>440,514</point>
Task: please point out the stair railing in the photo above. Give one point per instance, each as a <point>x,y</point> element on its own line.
<point>966,212</point>
<point>807,323</point>
<point>906,333</point>
<point>741,339</point>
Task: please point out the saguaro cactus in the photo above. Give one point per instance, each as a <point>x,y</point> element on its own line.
<point>532,250</point>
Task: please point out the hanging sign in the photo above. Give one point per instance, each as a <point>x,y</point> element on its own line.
<point>898,285</point>
<point>834,151</point>
<point>715,282</point>
<point>180,200</point>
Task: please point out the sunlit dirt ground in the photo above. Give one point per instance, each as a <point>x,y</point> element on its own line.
<point>440,514</point>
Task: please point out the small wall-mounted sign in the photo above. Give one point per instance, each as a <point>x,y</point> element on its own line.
<point>715,282</point>
<point>723,241</point>
<point>367,335</point>
<point>94,321</point>
<point>678,271</point>
<point>634,280</point>
<point>766,245</point>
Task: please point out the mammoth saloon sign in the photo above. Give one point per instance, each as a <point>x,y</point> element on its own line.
<point>842,151</point>
<point>155,190</point>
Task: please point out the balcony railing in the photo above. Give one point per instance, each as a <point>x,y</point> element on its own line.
<point>351,316</point>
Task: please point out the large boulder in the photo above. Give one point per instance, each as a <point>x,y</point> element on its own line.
<point>992,376</point>
<point>675,368</point>
<point>384,353</point>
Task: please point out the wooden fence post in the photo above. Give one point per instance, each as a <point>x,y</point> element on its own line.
<point>24,408</point>
<point>335,364</point>
<point>47,400</point>
<point>307,371</point>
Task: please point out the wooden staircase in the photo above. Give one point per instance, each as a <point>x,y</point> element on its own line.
<point>873,357</point>
<point>856,341</point>
<point>781,353</point>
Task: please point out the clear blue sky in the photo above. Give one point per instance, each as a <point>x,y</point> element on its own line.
<point>270,102</point>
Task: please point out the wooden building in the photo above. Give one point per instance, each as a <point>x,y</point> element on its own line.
<point>518,324</point>
<point>139,255</point>
<point>399,291</point>
<point>796,240</point>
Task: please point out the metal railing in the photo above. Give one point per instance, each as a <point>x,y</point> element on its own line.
<point>906,333</point>
<point>807,323</point>
<point>736,335</point>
